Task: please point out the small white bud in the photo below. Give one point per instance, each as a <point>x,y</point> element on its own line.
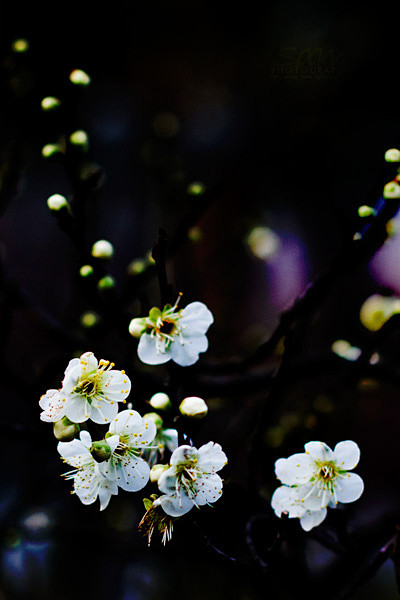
<point>57,202</point>
<point>137,327</point>
<point>193,407</point>
<point>79,138</point>
<point>79,77</point>
<point>391,190</point>
<point>392,155</point>
<point>50,103</point>
<point>160,401</point>
<point>102,249</point>
<point>156,471</point>
<point>50,149</point>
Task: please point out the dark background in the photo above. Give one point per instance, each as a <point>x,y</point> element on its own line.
<point>284,111</point>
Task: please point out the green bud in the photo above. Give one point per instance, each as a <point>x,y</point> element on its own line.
<point>50,103</point>
<point>79,77</point>
<point>89,319</point>
<point>136,267</point>
<point>79,138</point>
<point>392,155</point>
<point>20,46</point>
<point>137,327</point>
<point>65,430</point>
<point>366,211</point>
<point>105,283</point>
<point>100,451</point>
<point>196,188</point>
<point>391,190</point>
<point>160,401</point>
<point>86,271</point>
<point>155,418</point>
<point>51,149</point>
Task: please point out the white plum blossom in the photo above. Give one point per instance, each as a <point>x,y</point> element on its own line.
<point>191,480</point>
<point>174,334</point>
<point>91,389</point>
<point>52,405</point>
<point>130,435</point>
<point>315,480</point>
<point>89,482</point>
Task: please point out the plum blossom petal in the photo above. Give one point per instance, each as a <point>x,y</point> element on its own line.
<point>53,406</point>
<point>312,519</point>
<point>347,454</point>
<point>349,488</point>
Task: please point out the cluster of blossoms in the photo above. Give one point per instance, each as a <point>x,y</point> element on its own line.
<point>315,480</point>
<point>126,456</point>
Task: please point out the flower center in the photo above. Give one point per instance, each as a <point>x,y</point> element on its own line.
<point>327,473</point>
<point>167,327</point>
<point>90,385</point>
<point>186,476</point>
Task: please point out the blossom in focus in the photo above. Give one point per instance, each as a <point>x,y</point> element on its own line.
<point>128,436</point>
<point>91,389</point>
<point>89,482</point>
<point>191,479</point>
<point>174,334</point>
<point>316,479</point>
<point>52,405</point>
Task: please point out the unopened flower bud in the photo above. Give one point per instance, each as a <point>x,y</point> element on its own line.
<point>79,77</point>
<point>50,150</point>
<point>20,46</point>
<point>196,188</point>
<point>366,211</point>
<point>57,202</point>
<point>391,190</point>
<point>102,249</point>
<point>89,319</point>
<point>50,103</point>
<point>345,350</point>
<point>79,138</point>
<point>160,401</point>
<point>65,430</point>
<point>100,451</point>
<point>156,471</point>
<point>392,155</point>
<point>106,283</point>
<point>193,407</point>
<point>136,267</point>
<point>137,327</point>
<point>378,309</point>
<point>86,270</point>
<point>157,420</point>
